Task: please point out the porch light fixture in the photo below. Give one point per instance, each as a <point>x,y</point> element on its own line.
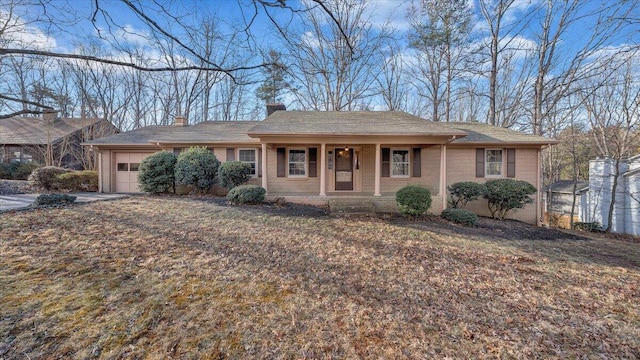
<point>346,148</point>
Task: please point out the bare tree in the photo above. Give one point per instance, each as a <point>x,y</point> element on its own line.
<point>557,68</point>
<point>334,64</point>
<point>440,31</point>
<point>613,108</point>
<point>507,51</point>
<point>391,81</point>
<point>167,24</point>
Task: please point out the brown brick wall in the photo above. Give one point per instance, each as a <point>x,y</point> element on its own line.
<point>461,165</point>
<point>286,184</point>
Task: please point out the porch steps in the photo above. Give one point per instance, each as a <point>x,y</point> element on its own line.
<point>352,206</point>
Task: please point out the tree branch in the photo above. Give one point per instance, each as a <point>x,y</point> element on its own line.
<point>125,64</point>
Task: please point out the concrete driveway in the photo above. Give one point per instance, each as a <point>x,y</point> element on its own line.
<point>12,202</point>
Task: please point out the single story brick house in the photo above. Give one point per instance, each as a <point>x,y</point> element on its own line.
<point>315,156</point>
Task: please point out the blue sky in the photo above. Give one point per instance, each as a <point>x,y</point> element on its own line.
<point>234,14</point>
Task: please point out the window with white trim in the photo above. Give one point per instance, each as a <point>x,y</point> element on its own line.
<point>493,162</point>
<point>297,162</point>
<point>248,156</point>
<point>400,163</point>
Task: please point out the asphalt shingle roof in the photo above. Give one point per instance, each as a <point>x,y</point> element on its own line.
<point>323,123</point>
<point>349,123</point>
<point>37,131</point>
<point>566,186</point>
<point>479,133</point>
<point>204,132</point>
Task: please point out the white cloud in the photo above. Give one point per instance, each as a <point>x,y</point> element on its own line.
<point>311,40</point>
<point>391,13</point>
<point>17,33</point>
<point>132,36</point>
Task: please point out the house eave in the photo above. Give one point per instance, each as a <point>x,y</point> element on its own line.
<point>503,144</point>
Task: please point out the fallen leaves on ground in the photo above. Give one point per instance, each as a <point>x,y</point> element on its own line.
<point>149,277</point>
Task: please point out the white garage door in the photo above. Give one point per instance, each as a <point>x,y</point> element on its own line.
<point>127,165</point>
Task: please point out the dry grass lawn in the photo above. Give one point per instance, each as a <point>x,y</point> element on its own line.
<point>189,279</point>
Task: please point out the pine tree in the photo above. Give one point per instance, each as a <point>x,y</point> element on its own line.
<point>276,79</point>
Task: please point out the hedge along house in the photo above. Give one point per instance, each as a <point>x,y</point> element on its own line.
<point>316,157</point>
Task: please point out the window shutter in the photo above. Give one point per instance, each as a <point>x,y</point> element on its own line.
<point>282,161</point>
<point>417,162</point>
<point>259,162</point>
<point>511,163</point>
<point>480,163</point>
<point>231,154</point>
<point>313,162</point>
<point>386,155</point>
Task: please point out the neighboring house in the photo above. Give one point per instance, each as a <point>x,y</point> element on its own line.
<point>559,199</point>
<point>626,212</point>
<point>27,139</point>
<point>315,156</point>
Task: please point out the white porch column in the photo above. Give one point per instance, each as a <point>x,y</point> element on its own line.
<point>378,172</point>
<point>323,169</point>
<point>264,166</point>
<point>443,175</point>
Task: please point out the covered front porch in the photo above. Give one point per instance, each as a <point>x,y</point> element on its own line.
<point>315,173</point>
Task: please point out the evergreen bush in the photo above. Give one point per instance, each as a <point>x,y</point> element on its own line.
<point>461,193</point>
<point>197,166</point>
<point>234,173</point>
<point>54,199</point>
<point>413,200</point>
<point>17,171</point>
<point>85,180</point>
<point>588,226</point>
<point>246,194</point>
<point>156,173</point>
<point>460,216</point>
<point>47,177</point>
<point>504,195</point>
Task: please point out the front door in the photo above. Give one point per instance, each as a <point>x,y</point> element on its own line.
<point>344,169</point>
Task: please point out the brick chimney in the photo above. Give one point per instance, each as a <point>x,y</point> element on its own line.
<point>273,107</point>
<point>49,115</point>
<point>181,121</point>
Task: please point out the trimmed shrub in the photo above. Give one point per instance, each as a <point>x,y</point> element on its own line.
<point>85,180</point>
<point>504,195</point>
<point>197,166</point>
<point>234,173</point>
<point>17,171</point>
<point>54,199</point>
<point>461,193</point>
<point>460,216</point>
<point>246,194</point>
<point>413,200</point>
<point>47,177</point>
<point>156,173</point>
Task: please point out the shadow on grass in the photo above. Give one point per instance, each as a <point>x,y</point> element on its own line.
<point>555,244</point>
